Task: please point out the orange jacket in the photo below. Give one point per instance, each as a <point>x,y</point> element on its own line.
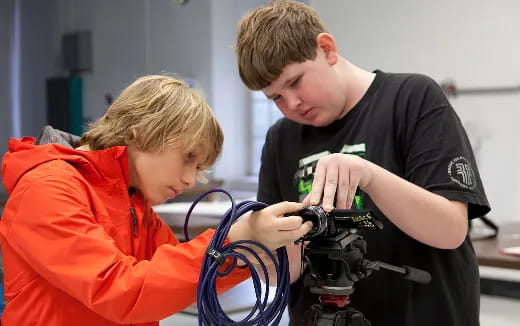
<point>71,253</point>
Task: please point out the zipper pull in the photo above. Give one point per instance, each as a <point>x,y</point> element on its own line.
<point>134,221</point>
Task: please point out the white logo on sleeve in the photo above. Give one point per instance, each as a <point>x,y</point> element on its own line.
<point>462,173</point>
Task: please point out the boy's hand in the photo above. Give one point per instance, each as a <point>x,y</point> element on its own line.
<point>338,175</point>
<point>269,227</point>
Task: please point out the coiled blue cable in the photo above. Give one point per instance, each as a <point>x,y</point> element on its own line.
<point>210,311</point>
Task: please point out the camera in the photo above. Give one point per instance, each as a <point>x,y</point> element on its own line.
<point>327,224</point>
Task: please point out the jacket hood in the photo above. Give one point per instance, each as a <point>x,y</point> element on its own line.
<point>26,153</point>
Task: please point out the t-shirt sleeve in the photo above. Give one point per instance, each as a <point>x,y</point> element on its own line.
<point>268,188</point>
<point>438,153</point>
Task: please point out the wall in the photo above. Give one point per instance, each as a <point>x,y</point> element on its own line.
<point>117,45</point>
<point>6,28</point>
<point>195,41</point>
<point>32,65</point>
<point>230,97</point>
<point>133,38</point>
<point>36,63</point>
<point>6,25</point>
<point>475,44</point>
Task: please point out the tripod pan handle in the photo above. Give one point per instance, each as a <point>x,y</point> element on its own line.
<point>417,275</point>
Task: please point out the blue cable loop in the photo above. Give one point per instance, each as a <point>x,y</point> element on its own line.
<point>210,311</point>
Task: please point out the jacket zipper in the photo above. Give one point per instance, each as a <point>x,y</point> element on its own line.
<point>133,221</point>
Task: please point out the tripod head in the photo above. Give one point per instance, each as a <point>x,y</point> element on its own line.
<point>335,261</point>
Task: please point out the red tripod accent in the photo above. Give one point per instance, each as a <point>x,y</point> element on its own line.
<point>333,311</point>
<point>340,301</point>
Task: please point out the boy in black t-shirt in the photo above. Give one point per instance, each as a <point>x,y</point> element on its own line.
<point>387,142</point>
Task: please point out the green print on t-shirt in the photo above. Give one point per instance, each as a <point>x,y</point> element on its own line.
<point>307,166</point>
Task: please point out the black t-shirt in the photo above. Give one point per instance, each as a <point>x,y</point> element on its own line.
<point>405,124</point>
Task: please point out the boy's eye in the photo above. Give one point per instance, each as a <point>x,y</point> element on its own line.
<point>190,157</point>
<point>275,98</point>
<point>295,82</point>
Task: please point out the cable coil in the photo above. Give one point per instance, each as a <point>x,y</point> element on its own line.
<point>210,311</point>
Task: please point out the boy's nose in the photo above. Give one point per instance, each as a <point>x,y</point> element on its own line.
<point>294,103</point>
<point>189,177</point>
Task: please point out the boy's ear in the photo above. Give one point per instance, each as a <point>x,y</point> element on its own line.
<point>327,44</point>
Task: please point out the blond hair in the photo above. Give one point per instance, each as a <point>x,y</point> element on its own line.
<point>155,112</point>
<point>274,35</point>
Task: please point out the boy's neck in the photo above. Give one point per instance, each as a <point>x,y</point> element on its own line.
<point>85,147</point>
<point>357,81</point>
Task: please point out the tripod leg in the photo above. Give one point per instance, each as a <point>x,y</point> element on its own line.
<point>319,315</point>
<point>356,318</point>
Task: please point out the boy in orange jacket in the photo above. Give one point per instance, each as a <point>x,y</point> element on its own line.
<point>80,241</point>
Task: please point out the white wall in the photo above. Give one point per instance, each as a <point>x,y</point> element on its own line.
<point>477,44</point>
<point>130,38</point>
<point>137,37</point>
<point>195,41</point>
<point>117,45</point>
<point>230,97</point>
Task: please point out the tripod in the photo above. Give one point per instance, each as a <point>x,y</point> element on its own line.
<point>335,261</point>
<point>334,264</point>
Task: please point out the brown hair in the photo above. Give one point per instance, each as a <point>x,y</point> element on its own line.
<point>157,111</point>
<point>274,35</point>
